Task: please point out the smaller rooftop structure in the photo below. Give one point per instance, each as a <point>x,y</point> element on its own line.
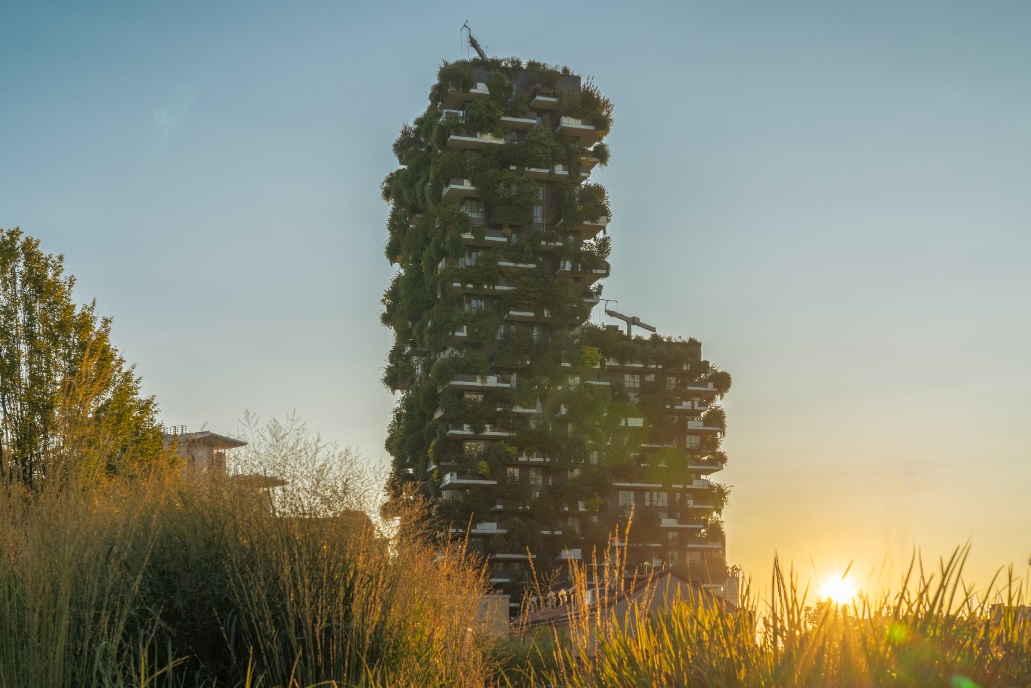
<point>203,451</point>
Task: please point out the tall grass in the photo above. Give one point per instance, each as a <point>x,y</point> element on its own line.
<point>171,581</point>
<point>933,630</point>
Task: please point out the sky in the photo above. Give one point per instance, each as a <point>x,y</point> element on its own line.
<point>833,197</point>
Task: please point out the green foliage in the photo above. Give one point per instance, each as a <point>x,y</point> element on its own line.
<point>542,151</point>
<point>65,391</point>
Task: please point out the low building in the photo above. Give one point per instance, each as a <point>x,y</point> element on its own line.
<point>202,452</point>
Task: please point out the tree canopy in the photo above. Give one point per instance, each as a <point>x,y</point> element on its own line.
<point>68,400</point>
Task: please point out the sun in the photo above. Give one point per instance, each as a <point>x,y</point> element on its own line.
<point>839,590</point>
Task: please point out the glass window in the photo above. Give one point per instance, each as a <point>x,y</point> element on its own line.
<point>473,207</point>
<point>626,498</point>
<point>631,380</point>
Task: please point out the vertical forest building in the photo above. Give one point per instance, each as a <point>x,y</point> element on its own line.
<point>535,432</point>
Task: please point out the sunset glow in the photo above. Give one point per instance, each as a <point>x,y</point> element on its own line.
<point>838,589</point>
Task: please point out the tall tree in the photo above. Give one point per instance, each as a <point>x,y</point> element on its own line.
<point>68,401</point>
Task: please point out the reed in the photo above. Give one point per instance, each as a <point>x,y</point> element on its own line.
<point>932,630</point>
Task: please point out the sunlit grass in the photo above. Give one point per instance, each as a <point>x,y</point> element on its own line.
<point>929,629</point>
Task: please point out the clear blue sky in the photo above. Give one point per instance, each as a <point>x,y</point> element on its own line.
<point>835,198</point>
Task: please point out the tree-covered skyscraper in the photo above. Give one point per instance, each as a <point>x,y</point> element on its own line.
<point>531,428</point>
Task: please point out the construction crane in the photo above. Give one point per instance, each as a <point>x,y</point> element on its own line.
<point>473,43</point>
<point>630,320</point>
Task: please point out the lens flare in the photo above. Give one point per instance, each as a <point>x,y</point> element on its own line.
<point>839,590</point>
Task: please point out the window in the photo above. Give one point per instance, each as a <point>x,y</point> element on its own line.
<point>650,377</point>
<point>656,499</point>
<point>476,304</point>
<point>631,380</point>
<point>633,397</point>
<point>671,382</point>
<point>538,214</point>
<point>692,441</point>
<point>536,476</point>
<point>626,498</point>
<point>513,472</point>
<point>473,448</point>
<point>474,396</point>
<point>473,207</point>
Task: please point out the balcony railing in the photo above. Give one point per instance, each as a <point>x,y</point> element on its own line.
<point>455,97</point>
<point>489,431</point>
<point>544,103</point>
<point>477,382</point>
<point>470,141</point>
<point>454,480</point>
<point>524,123</point>
<point>571,126</point>
<point>491,237</point>
<point>457,189</point>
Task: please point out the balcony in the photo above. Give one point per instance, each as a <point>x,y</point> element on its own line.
<point>489,432</point>
<point>478,142</point>
<point>482,382</point>
<point>513,557</point>
<point>552,245</point>
<point>457,189</point>
<point>695,463</point>
<point>487,529</point>
<point>535,458</point>
<point>524,123</point>
<point>588,228</point>
<point>567,268</point>
<point>444,114</point>
<point>700,426</point>
<point>543,315</point>
<point>688,406</point>
<point>704,544</point>
<point>555,174</point>
<point>491,237</point>
<point>508,265</point>
<point>702,388</point>
<point>673,523</point>
<point>524,410</point>
<point>455,481</point>
<point>456,97</point>
<point>459,335</point>
<point>544,103</point>
<point>586,132</point>
<point>633,366</point>
<point>457,288</point>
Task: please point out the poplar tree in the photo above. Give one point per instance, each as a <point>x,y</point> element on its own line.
<point>69,404</point>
